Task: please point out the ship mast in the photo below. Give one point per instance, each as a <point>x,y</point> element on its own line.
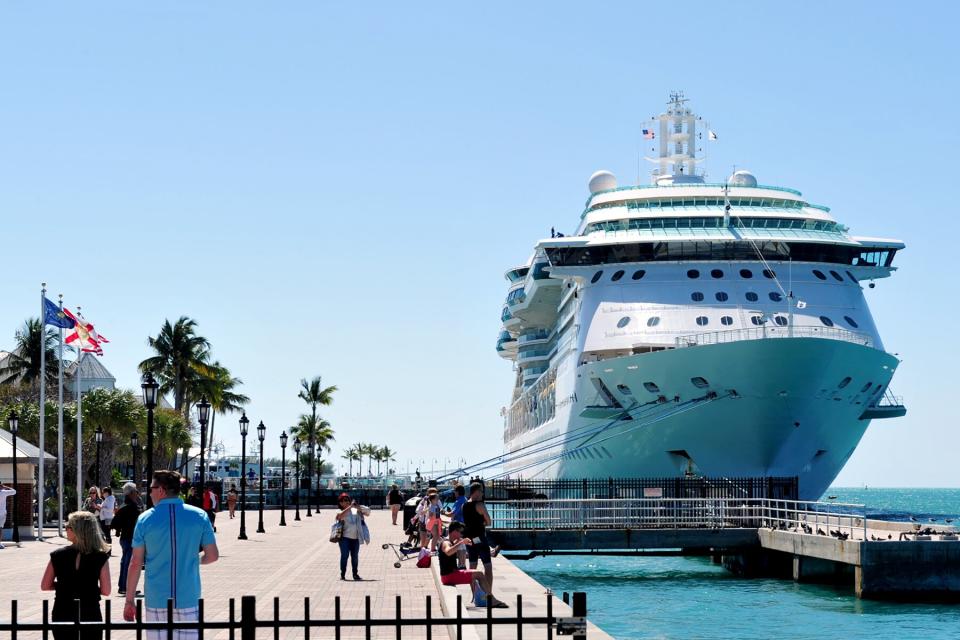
<point>677,129</point>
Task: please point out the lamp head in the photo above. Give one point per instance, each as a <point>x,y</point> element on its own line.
<point>203,410</point>
<point>283,439</point>
<point>261,431</point>
<point>244,424</point>
<point>296,445</point>
<point>149,387</point>
<point>134,440</point>
<point>98,435</point>
<point>13,421</point>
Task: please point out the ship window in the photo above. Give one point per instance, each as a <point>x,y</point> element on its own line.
<point>639,273</point>
<point>866,387</point>
<point>746,274</point>
<point>722,296</point>
<point>700,383</point>
<point>652,388</point>
<point>767,273</point>
<point>653,321</point>
<point>756,320</point>
<point>696,296</point>
<point>877,390</point>
<point>617,276</point>
<point>844,382</point>
<point>624,389</point>
<point>596,276</point>
<point>836,276</point>
<point>780,320</point>
<point>852,277</point>
<point>851,321</point>
<point>726,321</point>
<point>826,321</point>
<point>716,273</point>
<point>819,274</point>
<point>624,321</point>
<point>693,274</point>
<point>776,297</point>
<point>751,296</point>
<point>702,321</point>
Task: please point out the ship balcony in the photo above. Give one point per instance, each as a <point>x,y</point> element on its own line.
<point>517,296</point>
<point>764,332</point>
<point>530,374</point>
<point>888,406</point>
<point>525,356</point>
<point>535,337</point>
<point>538,306</point>
<point>506,345</point>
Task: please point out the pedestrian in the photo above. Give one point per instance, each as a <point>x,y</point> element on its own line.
<point>167,538</point>
<point>451,574</point>
<point>107,506</point>
<point>5,492</point>
<point>232,500</point>
<point>395,500</point>
<point>81,572</point>
<point>475,521</point>
<point>433,521</point>
<point>92,502</point>
<point>461,499</point>
<point>422,516</point>
<point>193,499</point>
<point>351,515</point>
<point>124,522</point>
<point>210,504</point>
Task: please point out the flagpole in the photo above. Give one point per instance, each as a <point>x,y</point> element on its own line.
<point>79,426</point>
<point>43,406</point>
<point>60,486</point>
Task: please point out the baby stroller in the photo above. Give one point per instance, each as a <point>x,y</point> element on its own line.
<point>404,551</point>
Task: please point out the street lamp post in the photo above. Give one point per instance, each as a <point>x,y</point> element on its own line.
<point>283,478</point>
<point>203,415</point>
<point>261,434</point>
<point>14,423</point>
<point>244,425</point>
<point>296,496</point>
<point>98,437</point>
<point>149,387</point>
<point>134,445</point>
<point>309,475</point>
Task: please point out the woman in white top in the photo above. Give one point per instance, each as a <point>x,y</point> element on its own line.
<point>351,516</point>
<point>107,507</point>
<point>5,492</point>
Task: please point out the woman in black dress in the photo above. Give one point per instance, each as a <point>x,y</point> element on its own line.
<point>78,572</point>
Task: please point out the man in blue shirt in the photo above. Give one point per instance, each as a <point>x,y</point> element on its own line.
<point>167,537</point>
<point>461,500</point>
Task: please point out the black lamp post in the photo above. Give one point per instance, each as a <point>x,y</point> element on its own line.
<point>283,478</point>
<point>309,475</point>
<point>261,434</point>
<point>244,425</point>
<point>134,446</point>
<point>14,422</point>
<point>296,496</point>
<point>149,387</point>
<point>203,415</point>
<point>98,437</point>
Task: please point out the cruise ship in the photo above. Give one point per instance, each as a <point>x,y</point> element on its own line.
<point>695,328</point>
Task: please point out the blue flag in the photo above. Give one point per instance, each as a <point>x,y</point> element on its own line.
<point>52,314</point>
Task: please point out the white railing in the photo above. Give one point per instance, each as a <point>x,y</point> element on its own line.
<point>762,333</point>
<point>680,513</point>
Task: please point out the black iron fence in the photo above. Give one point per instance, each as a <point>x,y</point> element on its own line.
<point>778,488</point>
<point>248,624</point>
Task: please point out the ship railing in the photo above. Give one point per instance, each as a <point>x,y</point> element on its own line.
<point>763,333</point>
<point>813,517</point>
<point>890,400</point>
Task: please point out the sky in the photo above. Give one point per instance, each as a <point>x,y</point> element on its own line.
<point>336,190</point>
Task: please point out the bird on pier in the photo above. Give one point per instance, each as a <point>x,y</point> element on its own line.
<point>912,519</point>
<point>948,520</point>
<point>932,519</point>
<point>820,532</point>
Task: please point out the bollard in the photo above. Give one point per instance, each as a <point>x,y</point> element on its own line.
<point>580,611</point>
<point>248,618</point>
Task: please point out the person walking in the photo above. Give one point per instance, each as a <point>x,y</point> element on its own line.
<point>107,506</point>
<point>351,516</point>
<point>5,492</point>
<point>124,523</point>
<point>210,504</point>
<point>92,502</point>
<point>232,500</point>
<point>81,572</point>
<point>395,500</point>
<point>167,538</point>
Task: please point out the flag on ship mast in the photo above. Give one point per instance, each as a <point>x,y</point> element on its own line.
<point>648,134</point>
<point>711,135</point>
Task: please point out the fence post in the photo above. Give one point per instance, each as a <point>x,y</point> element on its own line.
<point>248,618</point>
<point>580,611</point>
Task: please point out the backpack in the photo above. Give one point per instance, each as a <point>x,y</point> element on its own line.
<point>423,559</point>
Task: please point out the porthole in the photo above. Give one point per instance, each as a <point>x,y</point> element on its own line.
<point>639,273</point>
<point>751,296</point>
<point>696,296</point>
<point>700,383</point>
<point>756,320</point>
<point>693,274</point>
<point>770,275</point>
<point>703,321</point>
<point>617,276</point>
<point>726,321</point>
<point>877,390</point>
<point>853,278</point>
<point>850,321</point>
<point>716,273</point>
<point>722,296</point>
<point>827,322</point>
<point>866,387</point>
<point>596,277</point>
<point>775,296</point>
<point>819,275</point>
<point>624,389</point>
<point>746,274</point>
<point>652,388</point>
<point>780,320</point>
<point>836,276</point>
<point>622,322</point>
<point>844,382</point>
<point>653,321</point>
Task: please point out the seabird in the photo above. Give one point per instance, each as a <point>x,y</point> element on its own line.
<point>912,519</point>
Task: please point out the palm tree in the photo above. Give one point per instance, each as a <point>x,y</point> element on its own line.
<point>370,450</point>
<point>219,387</point>
<point>314,393</point>
<point>385,454</point>
<point>315,430</point>
<point>23,363</point>
<point>181,361</point>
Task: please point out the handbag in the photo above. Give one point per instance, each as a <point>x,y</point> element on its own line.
<point>364,530</point>
<point>336,531</point>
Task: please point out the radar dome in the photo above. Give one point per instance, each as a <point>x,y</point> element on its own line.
<point>602,181</point>
<point>742,179</point>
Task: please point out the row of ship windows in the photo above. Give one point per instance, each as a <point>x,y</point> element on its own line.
<point>702,383</point>
<point>726,321</point>
<point>717,274</point>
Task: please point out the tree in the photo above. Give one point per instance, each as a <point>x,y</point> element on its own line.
<point>315,394</point>
<point>23,363</point>
<point>385,454</point>
<point>316,430</point>
<point>219,388</point>
<point>181,361</point>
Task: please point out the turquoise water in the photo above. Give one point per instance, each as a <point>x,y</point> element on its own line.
<point>692,598</point>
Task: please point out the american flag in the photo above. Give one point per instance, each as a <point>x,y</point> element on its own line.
<point>648,134</point>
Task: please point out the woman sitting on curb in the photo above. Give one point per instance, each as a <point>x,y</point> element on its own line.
<point>450,575</point>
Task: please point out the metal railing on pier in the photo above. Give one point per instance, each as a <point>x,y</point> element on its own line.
<point>776,331</point>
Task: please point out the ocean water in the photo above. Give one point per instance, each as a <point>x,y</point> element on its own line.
<point>687,598</point>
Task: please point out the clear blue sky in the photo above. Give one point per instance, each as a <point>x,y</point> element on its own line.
<point>337,190</point>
